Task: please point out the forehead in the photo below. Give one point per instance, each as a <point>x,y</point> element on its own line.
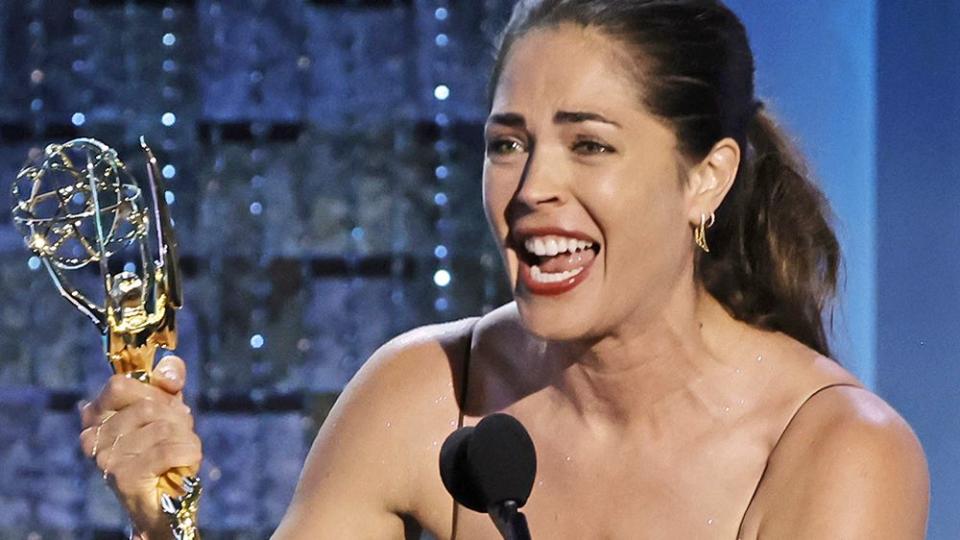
<point>564,66</point>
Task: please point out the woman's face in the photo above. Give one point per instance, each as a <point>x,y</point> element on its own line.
<point>582,189</point>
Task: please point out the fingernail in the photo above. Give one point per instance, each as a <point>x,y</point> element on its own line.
<point>169,374</point>
<point>81,404</point>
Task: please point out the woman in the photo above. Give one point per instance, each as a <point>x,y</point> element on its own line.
<point>674,376</point>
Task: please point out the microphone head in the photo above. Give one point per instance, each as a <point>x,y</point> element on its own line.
<point>455,471</point>
<point>503,459</point>
<point>489,464</point>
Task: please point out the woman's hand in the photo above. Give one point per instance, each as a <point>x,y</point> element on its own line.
<point>135,432</point>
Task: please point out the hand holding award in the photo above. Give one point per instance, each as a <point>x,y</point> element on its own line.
<point>78,205</point>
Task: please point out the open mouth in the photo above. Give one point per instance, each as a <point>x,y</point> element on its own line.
<point>553,264</point>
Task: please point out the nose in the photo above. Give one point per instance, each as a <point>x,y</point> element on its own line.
<point>541,183</point>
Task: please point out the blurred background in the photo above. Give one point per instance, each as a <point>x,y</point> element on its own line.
<point>322,161</point>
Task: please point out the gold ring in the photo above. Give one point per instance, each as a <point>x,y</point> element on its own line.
<point>106,468</point>
<point>96,438</point>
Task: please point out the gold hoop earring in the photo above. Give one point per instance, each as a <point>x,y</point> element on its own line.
<point>700,234</point>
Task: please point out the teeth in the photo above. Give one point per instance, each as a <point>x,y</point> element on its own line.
<point>549,246</point>
<point>539,247</point>
<point>546,277</point>
<point>552,247</point>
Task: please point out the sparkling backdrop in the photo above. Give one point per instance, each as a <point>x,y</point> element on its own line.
<point>323,165</point>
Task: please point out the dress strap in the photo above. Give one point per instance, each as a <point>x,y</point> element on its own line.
<point>804,402</point>
<point>786,427</point>
<point>465,381</point>
<point>464,387</point>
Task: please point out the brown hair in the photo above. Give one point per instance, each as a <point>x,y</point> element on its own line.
<point>774,259</point>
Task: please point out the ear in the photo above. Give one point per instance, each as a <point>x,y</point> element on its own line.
<point>710,180</point>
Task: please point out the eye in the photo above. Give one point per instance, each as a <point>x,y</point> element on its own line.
<point>503,147</point>
<point>587,147</point>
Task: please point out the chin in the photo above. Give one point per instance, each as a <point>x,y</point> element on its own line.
<point>554,323</point>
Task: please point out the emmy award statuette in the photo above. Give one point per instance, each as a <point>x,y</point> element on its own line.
<point>78,205</point>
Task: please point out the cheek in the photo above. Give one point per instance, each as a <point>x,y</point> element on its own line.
<point>643,218</point>
<point>497,193</point>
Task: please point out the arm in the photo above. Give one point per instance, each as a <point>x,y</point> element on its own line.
<point>368,465</point>
<point>361,475</point>
<point>848,467</point>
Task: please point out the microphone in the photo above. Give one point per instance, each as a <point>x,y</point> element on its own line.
<point>490,469</point>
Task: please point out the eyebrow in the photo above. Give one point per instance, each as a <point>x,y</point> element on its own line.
<point>515,120</point>
<point>576,117</point>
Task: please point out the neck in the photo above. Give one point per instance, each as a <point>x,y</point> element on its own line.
<point>651,369</point>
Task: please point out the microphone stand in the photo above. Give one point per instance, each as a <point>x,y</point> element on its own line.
<point>511,523</point>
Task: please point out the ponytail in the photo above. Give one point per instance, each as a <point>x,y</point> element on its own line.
<point>775,260</point>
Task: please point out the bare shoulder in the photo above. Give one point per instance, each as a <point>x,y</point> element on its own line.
<point>375,455</point>
<point>407,384</point>
<point>402,382</point>
<point>847,466</point>
<point>417,357</point>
